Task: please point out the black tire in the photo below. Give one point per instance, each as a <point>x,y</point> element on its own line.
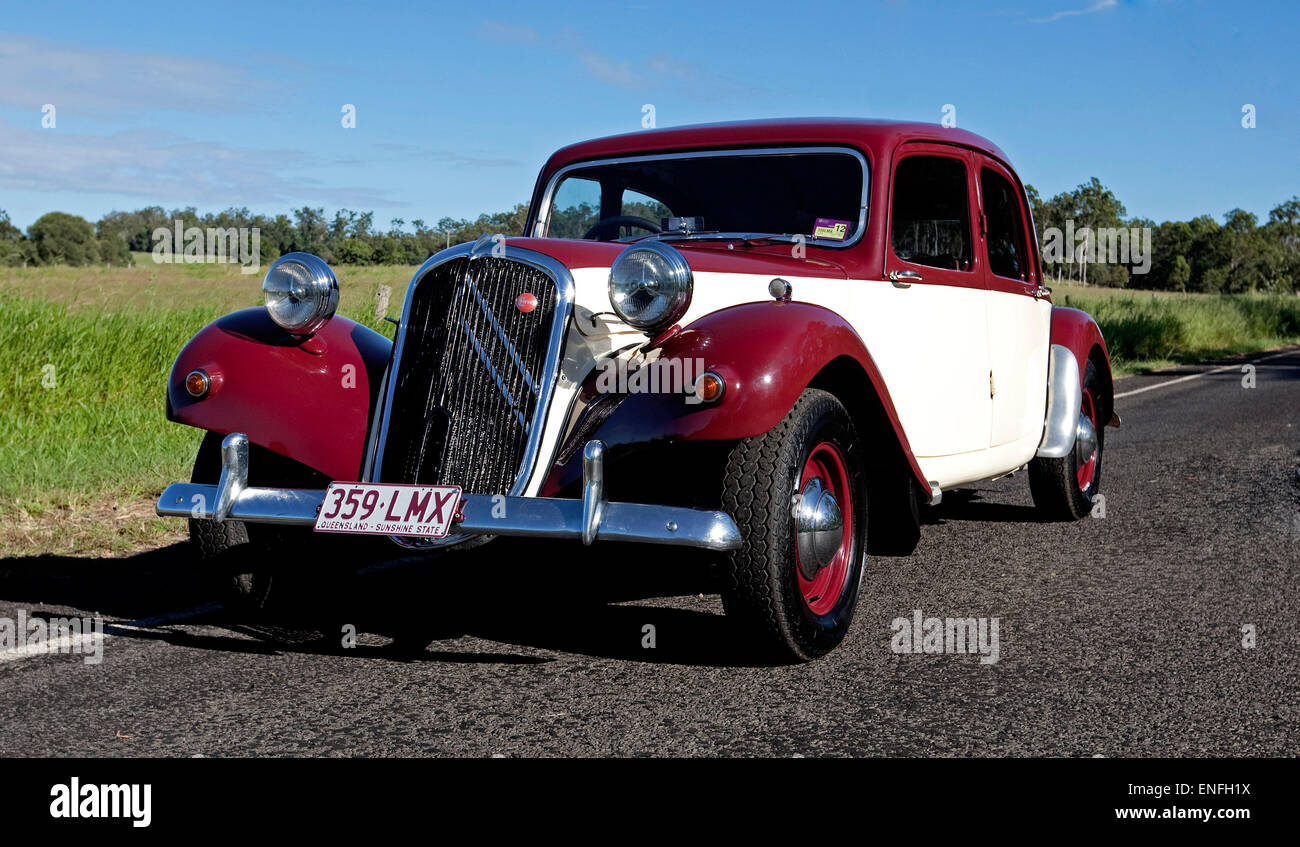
<point>1055,483</point>
<point>762,586</point>
<point>242,558</point>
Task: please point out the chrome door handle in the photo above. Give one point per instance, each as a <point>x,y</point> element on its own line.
<point>1043,291</point>
<point>904,278</point>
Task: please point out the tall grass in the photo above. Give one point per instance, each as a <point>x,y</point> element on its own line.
<point>81,400</point>
<point>84,359</point>
<point>1143,331</point>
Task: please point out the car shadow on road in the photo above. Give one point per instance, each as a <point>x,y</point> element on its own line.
<point>614,602</point>
<point>967,504</point>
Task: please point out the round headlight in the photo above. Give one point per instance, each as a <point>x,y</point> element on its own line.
<point>650,285</point>
<point>301,292</point>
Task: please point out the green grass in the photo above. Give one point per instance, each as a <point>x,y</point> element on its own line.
<point>1145,331</point>
<point>84,359</point>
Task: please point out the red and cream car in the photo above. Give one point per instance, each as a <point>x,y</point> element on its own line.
<point>775,340</point>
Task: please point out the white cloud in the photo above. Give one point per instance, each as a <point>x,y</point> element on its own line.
<point>35,71</point>
<point>657,71</point>
<point>166,169</point>
<point>1099,6</point>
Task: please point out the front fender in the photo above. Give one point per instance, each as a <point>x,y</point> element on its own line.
<point>767,353</point>
<point>308,400</point>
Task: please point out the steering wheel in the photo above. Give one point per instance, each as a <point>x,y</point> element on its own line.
<point>600,228</point>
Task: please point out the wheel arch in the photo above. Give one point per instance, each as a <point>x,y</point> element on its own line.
<point>894,488</point>
<point>1079,332</point>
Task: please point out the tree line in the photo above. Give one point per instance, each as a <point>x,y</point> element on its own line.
<point>349,237</point>
<point>1238,255</point>
<point>1203,255</point>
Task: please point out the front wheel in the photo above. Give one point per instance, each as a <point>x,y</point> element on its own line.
<point>798,493</point>
<point>243,557</point>
<point>1064,488</point>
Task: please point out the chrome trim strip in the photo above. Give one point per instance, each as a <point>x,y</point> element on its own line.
<point>1064,400</point>
<point>586,520</point>
<point>538,228</point>
<point>529,380</point>
<point>492,372</point>
<point>564,293</point>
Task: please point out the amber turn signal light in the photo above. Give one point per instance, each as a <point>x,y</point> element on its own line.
<point>710,387</point>
<point>197,384</point>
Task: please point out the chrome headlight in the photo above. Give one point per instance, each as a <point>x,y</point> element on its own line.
<point>301,292</point>
<point>650,285</point>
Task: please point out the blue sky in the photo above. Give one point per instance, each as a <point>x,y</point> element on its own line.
<point>457,108</point>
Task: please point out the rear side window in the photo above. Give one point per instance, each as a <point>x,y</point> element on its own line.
<point>1006,232</point>
<point>931,214</point>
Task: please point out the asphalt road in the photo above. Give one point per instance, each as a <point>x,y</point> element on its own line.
<point>1119,635</point>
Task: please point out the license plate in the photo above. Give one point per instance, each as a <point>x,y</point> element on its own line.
<point>369,508</point>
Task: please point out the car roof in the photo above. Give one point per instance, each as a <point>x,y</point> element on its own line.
<point>874,135</point>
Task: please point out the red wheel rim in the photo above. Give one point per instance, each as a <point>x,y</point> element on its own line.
<point>1088,469</point>
<point>823,591</point>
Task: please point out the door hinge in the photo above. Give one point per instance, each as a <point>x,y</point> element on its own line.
<point>990,383</point>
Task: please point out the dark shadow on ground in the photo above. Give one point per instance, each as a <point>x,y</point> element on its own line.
<point>535,595</point>
<point>966,504</point>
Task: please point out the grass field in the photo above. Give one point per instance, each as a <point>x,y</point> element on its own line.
<point>1146,330</point>
<point>84,359</point>
<point>85,353</point>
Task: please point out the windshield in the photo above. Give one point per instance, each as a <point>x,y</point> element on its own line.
<point>815,194</point>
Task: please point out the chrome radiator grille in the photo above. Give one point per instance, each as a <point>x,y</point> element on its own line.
<point>470,375</point>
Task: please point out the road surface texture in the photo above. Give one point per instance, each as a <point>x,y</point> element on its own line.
<point>1119,635</point>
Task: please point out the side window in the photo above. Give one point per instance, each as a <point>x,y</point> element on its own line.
<point>931,214</point>
<point>1006,231</point>
<point>575,209</point>
<point>638,205</point>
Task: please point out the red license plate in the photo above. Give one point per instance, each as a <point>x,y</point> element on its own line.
<point>373,508</point>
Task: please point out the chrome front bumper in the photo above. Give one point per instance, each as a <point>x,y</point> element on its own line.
<point>589,519</point>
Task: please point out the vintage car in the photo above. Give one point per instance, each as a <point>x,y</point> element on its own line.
<point>774,340</point>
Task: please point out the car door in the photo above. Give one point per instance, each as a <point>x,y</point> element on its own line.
<point>1019,322</point>
<point>934,307</point>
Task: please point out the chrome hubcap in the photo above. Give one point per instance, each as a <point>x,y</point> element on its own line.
<point>819,527</point>
<point>1085,440</point>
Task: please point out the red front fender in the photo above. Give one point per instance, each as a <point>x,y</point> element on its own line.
<point>308,401</point>
<point>767,353</point>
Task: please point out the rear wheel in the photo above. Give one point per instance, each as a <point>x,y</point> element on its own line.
<point>1064,488</point>
<point>798,494</point>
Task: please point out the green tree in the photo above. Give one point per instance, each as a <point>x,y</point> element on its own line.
<point>354,251</point>
<point>63,239</point>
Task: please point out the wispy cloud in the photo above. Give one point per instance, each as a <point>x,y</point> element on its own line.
<point>656,71</point>
<point>450,157</point>
<point>1099,6</point>
<point>164,168</point>
<point>504,33</point>
<point>35,71</point>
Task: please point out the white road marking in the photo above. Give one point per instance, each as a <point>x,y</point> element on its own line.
<point>1170,382</point>
<point>71,644</point>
